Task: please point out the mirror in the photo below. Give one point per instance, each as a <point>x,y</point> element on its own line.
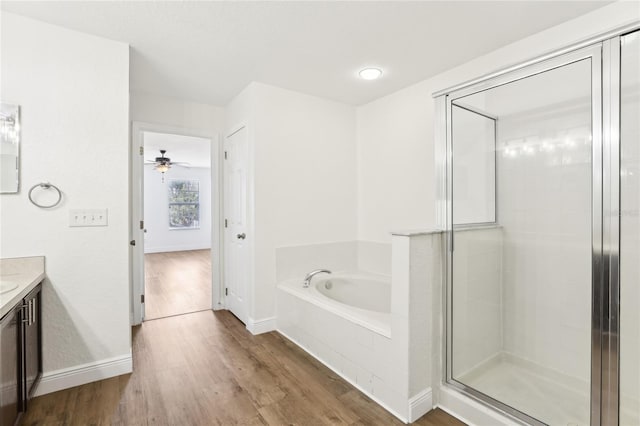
<point>9,148</point>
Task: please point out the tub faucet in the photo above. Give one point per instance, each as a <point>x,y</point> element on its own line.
<point>307,279</point>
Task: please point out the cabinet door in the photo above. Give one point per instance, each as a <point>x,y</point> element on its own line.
<point>9,369</point>
<point>32,340</point>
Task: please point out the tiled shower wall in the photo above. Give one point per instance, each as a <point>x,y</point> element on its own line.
<point>367,256</point>
<point>544,208</point>
<point>297,261</point>
<point>477,298</point>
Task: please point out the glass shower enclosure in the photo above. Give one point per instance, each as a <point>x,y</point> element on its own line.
<point>542,213</point>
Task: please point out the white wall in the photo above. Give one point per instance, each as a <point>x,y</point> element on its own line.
<point>202,118</point>
<point>305,178</point>
<point>303,151</point>
<point>159,238</point>
<point>74,93</point>
<point>396,165</point>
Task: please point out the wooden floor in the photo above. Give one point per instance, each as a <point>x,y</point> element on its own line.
<point>206,369</point>
<point>177,282</point>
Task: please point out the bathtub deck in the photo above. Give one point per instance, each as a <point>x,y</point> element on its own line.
<point>205,368</point>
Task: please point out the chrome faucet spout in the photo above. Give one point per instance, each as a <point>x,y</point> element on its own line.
<point>307,278</point>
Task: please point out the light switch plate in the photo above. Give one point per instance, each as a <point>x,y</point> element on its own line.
<point>88,217</point>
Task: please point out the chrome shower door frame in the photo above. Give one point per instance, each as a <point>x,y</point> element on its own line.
<point>611,209</point>
<point>605,104</point>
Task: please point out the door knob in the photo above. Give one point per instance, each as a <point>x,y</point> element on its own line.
<point>241,236</point>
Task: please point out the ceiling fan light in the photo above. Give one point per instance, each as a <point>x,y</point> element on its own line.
<point>163,168</point>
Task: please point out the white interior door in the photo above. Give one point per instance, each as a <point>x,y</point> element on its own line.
<point>236,238</point>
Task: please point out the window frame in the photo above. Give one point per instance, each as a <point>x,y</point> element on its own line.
<point>182,203</point>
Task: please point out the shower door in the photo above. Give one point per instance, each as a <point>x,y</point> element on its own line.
<point>525,221</point>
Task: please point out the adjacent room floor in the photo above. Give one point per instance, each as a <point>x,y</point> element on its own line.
<point>177,283</point>
<point>205,368</point>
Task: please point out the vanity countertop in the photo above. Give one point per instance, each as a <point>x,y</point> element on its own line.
<point>18,276</point>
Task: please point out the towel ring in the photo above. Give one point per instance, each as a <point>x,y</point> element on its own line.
<point>46,185</point>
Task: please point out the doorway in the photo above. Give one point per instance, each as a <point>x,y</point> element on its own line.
<point>175,222</point>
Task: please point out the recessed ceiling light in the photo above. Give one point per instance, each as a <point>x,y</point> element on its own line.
<point>370,73</point>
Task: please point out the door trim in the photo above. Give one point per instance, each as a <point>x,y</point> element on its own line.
<point>136,179</point>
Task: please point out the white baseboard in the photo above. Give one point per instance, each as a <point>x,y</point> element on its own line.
<point>167,249</point>
<point>420,404</point>
<point>348,380</point>
<point>261,326</point>
<point>65,378</point>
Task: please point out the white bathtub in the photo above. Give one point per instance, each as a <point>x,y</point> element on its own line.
<point>372,330</point>
<point>362,298</point>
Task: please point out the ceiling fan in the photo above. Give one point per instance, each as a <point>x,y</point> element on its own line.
<point>163,164</point>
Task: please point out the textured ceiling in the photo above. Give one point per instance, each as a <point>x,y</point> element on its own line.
<point>209,51</point>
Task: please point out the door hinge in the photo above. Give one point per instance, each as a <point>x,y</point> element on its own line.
<point>226,224</point>
<point>142,298</point>
<point>226,291</point>
<point>132,242</point>
<point>225,155</point>
<point>142,224</point>
<point>142,150</point>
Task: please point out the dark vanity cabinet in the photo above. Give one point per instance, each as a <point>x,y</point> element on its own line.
<point>9,367</point>
<point>31,315</point>
<point>20,356</point>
